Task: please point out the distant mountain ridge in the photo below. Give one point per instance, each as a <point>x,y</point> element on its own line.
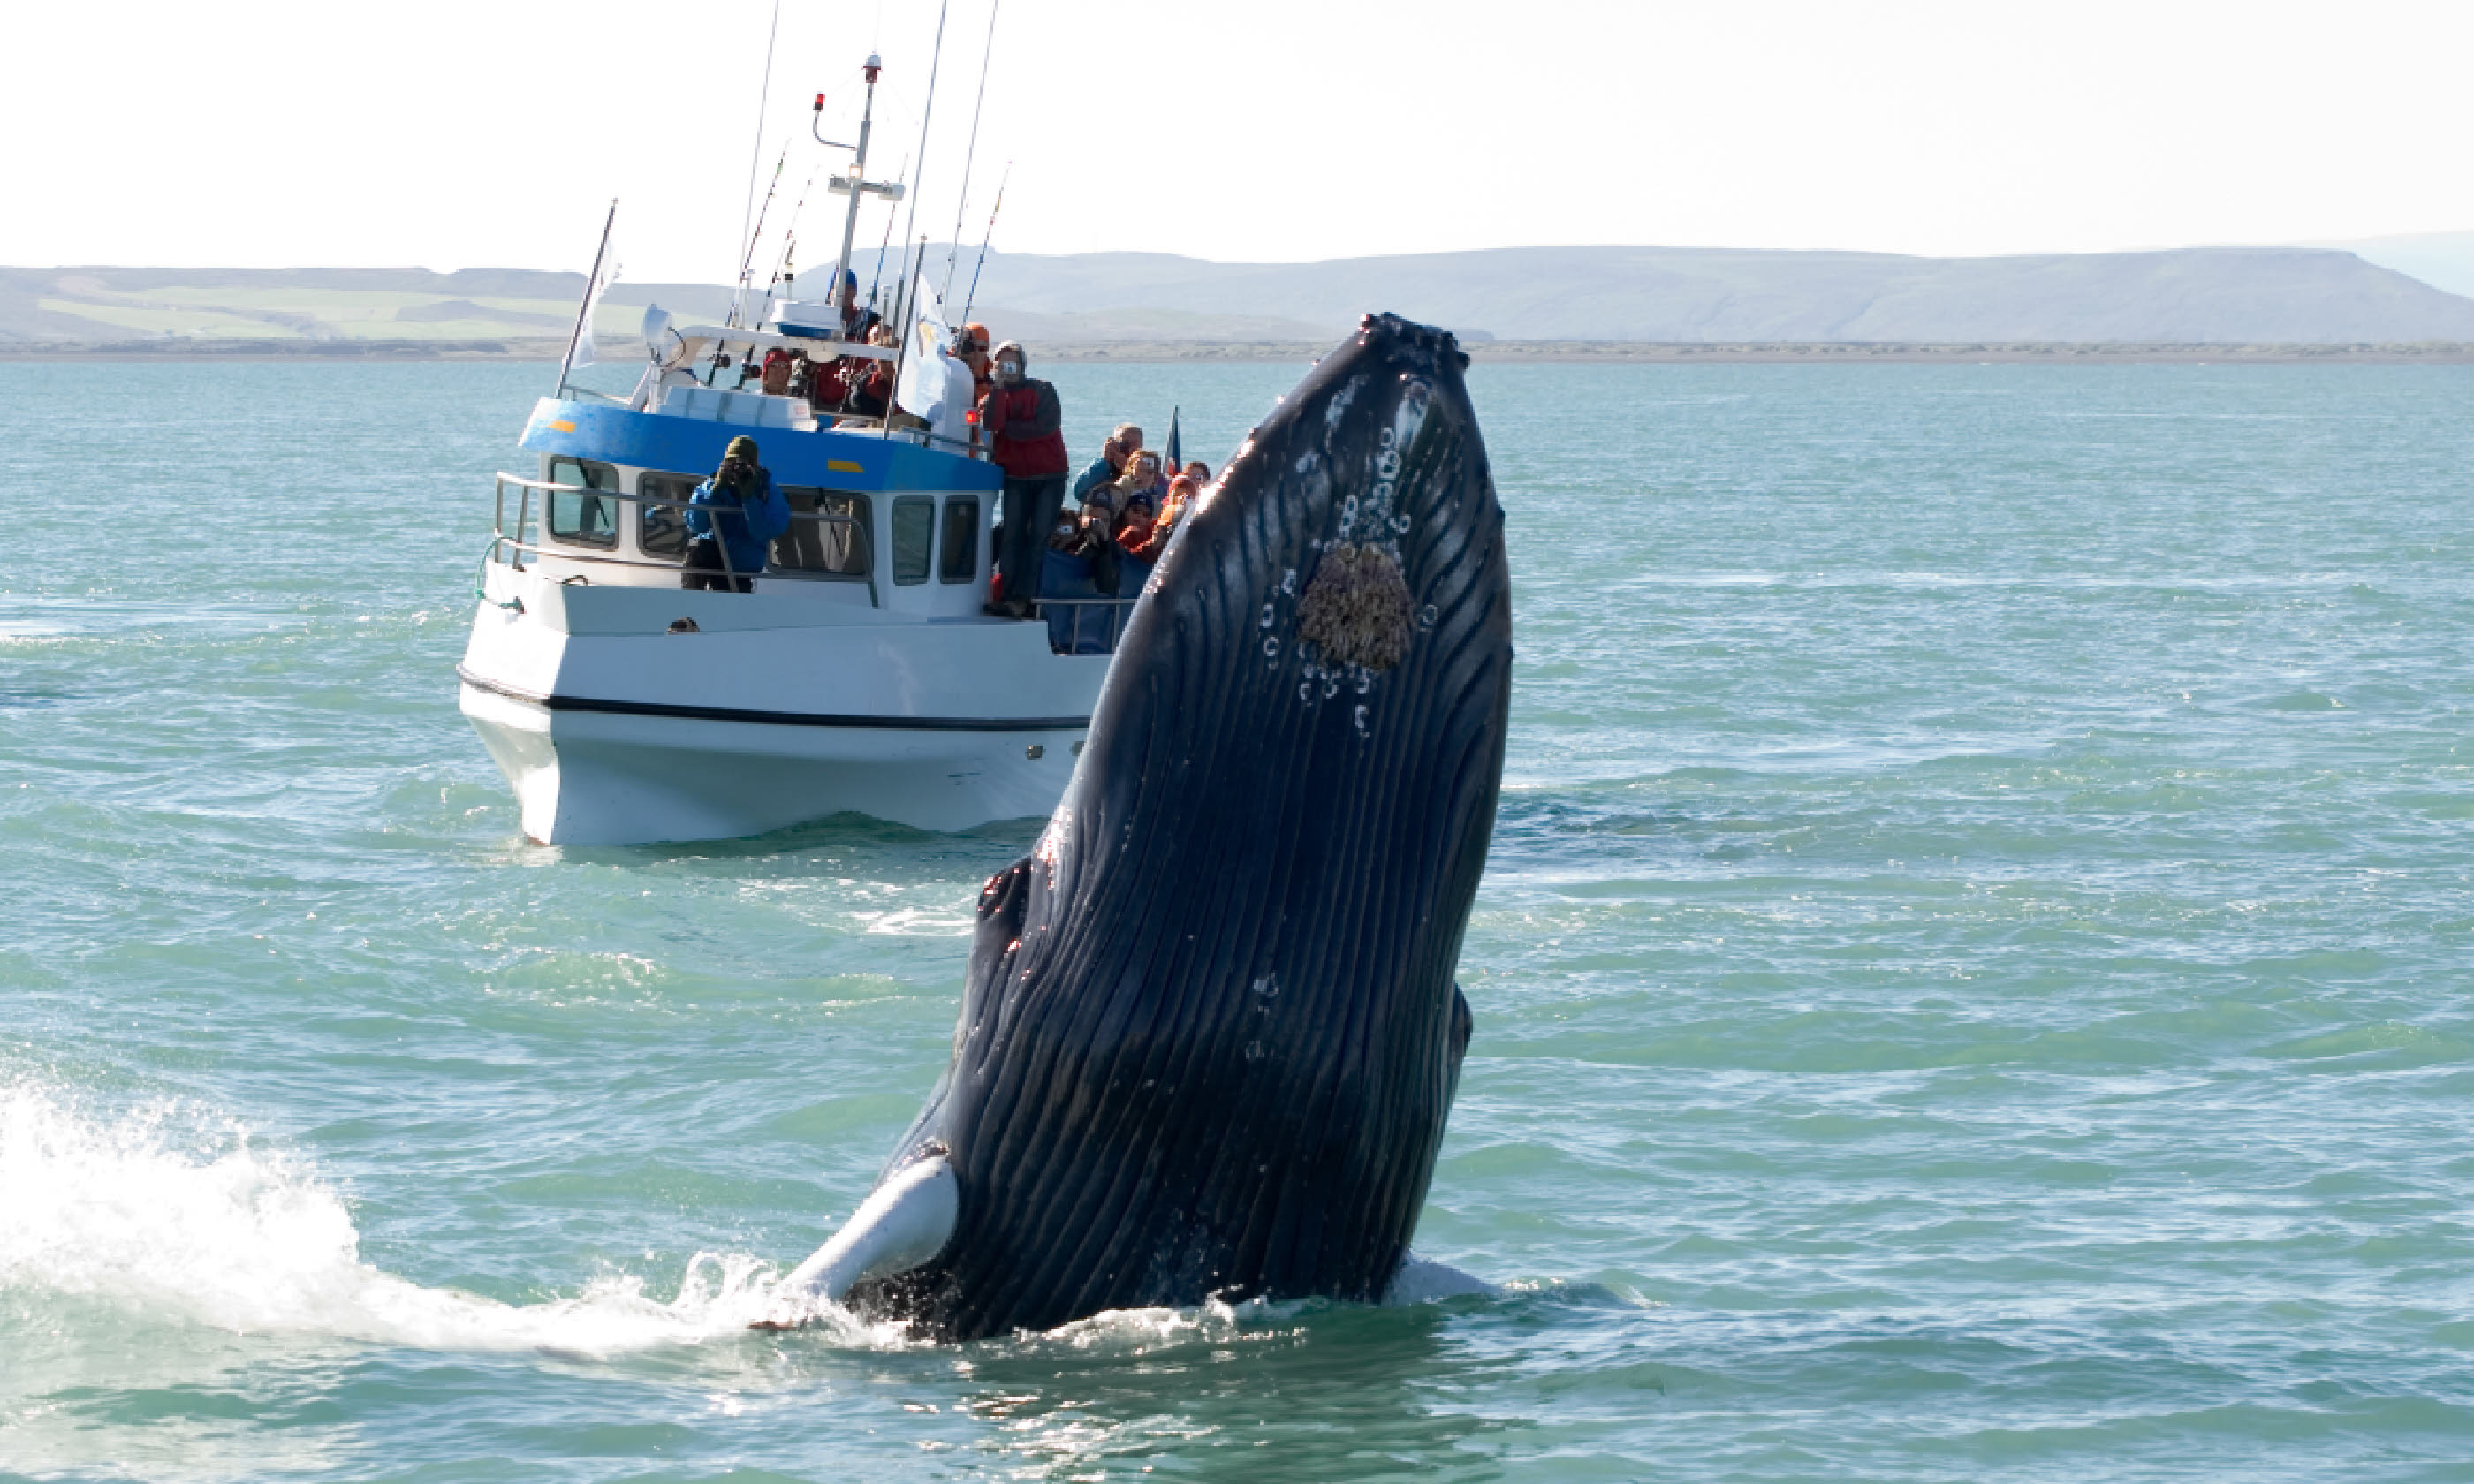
<point>2196,296</point>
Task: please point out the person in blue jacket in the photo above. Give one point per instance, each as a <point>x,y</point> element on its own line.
<point>736,513</point>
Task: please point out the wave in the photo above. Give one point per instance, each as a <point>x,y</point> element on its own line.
<point>169,1215</point>
<point>173,1216</point>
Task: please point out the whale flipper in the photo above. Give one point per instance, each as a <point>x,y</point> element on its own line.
<point>906,1221</point>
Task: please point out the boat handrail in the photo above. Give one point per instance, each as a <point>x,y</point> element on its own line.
<point>526,521</point>
<point>498,524</point>
<point>789,574</point>
<point>828,420</point>
<point>503,542</point>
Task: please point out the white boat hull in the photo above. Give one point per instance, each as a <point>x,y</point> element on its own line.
<point>614,730</point>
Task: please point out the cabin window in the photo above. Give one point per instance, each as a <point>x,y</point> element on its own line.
<point>662,529</point>
<point>915,533</point>
<point>582,520</point>
<point>839,545</point>
<point>961,560</point>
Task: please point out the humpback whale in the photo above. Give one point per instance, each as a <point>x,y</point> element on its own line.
<point>1209,1033</point>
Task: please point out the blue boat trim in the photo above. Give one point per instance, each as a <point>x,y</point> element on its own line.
<point>724,714</point>
<point>610,434</point>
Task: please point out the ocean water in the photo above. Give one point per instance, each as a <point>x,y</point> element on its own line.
<point>1972,981</point>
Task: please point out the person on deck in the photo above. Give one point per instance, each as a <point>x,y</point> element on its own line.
<point>855,316</point>
<point>1146,543</point>
<point>971,348</point>
<point>871,383</point>
<point>1198,472</point>
<point>775,378</point>
<point>1021,416</point>
<point>1132,500</point>
<point>1111,463</point>
<point>734,514</point>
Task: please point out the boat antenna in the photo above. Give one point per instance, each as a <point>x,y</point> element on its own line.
<point>973,296</point>
<point>857,185</point>
<point>961,202</point>
<point>756,154</point>
<point>592,292</point>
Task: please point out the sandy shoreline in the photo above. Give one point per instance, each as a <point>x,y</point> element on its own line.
<point>1506,351</point>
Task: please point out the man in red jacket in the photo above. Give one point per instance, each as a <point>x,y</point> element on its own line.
<point>1021,415</point>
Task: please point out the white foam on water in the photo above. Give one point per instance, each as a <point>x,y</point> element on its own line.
<point>155,1212</point>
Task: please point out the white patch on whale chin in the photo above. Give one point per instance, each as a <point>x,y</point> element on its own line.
<point>1422,1280</point>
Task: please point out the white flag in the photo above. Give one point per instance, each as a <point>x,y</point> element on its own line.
<point>584,348</point>
<point>934,386</point>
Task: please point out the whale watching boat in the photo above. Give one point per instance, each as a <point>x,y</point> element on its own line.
<point>856,672</point>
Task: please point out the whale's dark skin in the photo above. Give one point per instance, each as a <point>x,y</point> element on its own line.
<point>1210,1036</point>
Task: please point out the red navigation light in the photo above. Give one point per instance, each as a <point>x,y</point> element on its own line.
<point>820,102</point>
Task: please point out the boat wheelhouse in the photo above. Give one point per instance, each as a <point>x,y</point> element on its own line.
<point>858,675</point>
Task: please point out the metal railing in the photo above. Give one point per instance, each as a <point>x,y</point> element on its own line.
<point>829,418</point>
<point>525,541</point>
<point>1117,610</point>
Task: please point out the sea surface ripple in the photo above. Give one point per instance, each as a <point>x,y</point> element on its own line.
<point>1972,980</point>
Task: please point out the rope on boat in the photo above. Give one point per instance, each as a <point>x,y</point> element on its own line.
<point>481,589</point>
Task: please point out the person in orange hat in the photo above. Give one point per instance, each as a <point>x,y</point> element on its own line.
<point>971,348</point>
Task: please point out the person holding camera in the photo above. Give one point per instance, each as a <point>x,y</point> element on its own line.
<point>1021,413</point>
<point>736,514</point>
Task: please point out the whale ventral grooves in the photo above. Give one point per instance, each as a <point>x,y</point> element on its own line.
<point>1209,1036</point>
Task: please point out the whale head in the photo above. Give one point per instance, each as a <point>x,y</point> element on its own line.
<point>1210,1035</point>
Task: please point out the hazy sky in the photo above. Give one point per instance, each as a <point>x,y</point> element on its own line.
<point>464,134</point>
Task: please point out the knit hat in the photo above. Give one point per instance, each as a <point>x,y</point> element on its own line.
<point>740,448</point>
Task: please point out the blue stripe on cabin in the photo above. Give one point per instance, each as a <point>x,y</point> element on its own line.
<point>683,445</point>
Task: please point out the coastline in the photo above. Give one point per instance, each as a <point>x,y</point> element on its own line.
<point>1503,351</point>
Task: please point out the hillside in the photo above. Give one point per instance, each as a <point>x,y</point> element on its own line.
<point>2212,295</point>
<point>2444,260</point>
<point>2199,296</point>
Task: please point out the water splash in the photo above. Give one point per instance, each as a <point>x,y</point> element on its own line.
<point>166,1215</point>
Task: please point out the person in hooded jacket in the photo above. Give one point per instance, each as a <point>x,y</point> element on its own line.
<point>736,513</point>
<point>1021,416</point>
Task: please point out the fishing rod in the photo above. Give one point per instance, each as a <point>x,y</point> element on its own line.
<point>961,202</point>
<point>973,296</point>
<point>783,272</point>
<point>747,264</point>
<point>884,247</point>
<point>790,244</point>
<point>756,157</point>
<point>927,112</point>
<point>903,307</point>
